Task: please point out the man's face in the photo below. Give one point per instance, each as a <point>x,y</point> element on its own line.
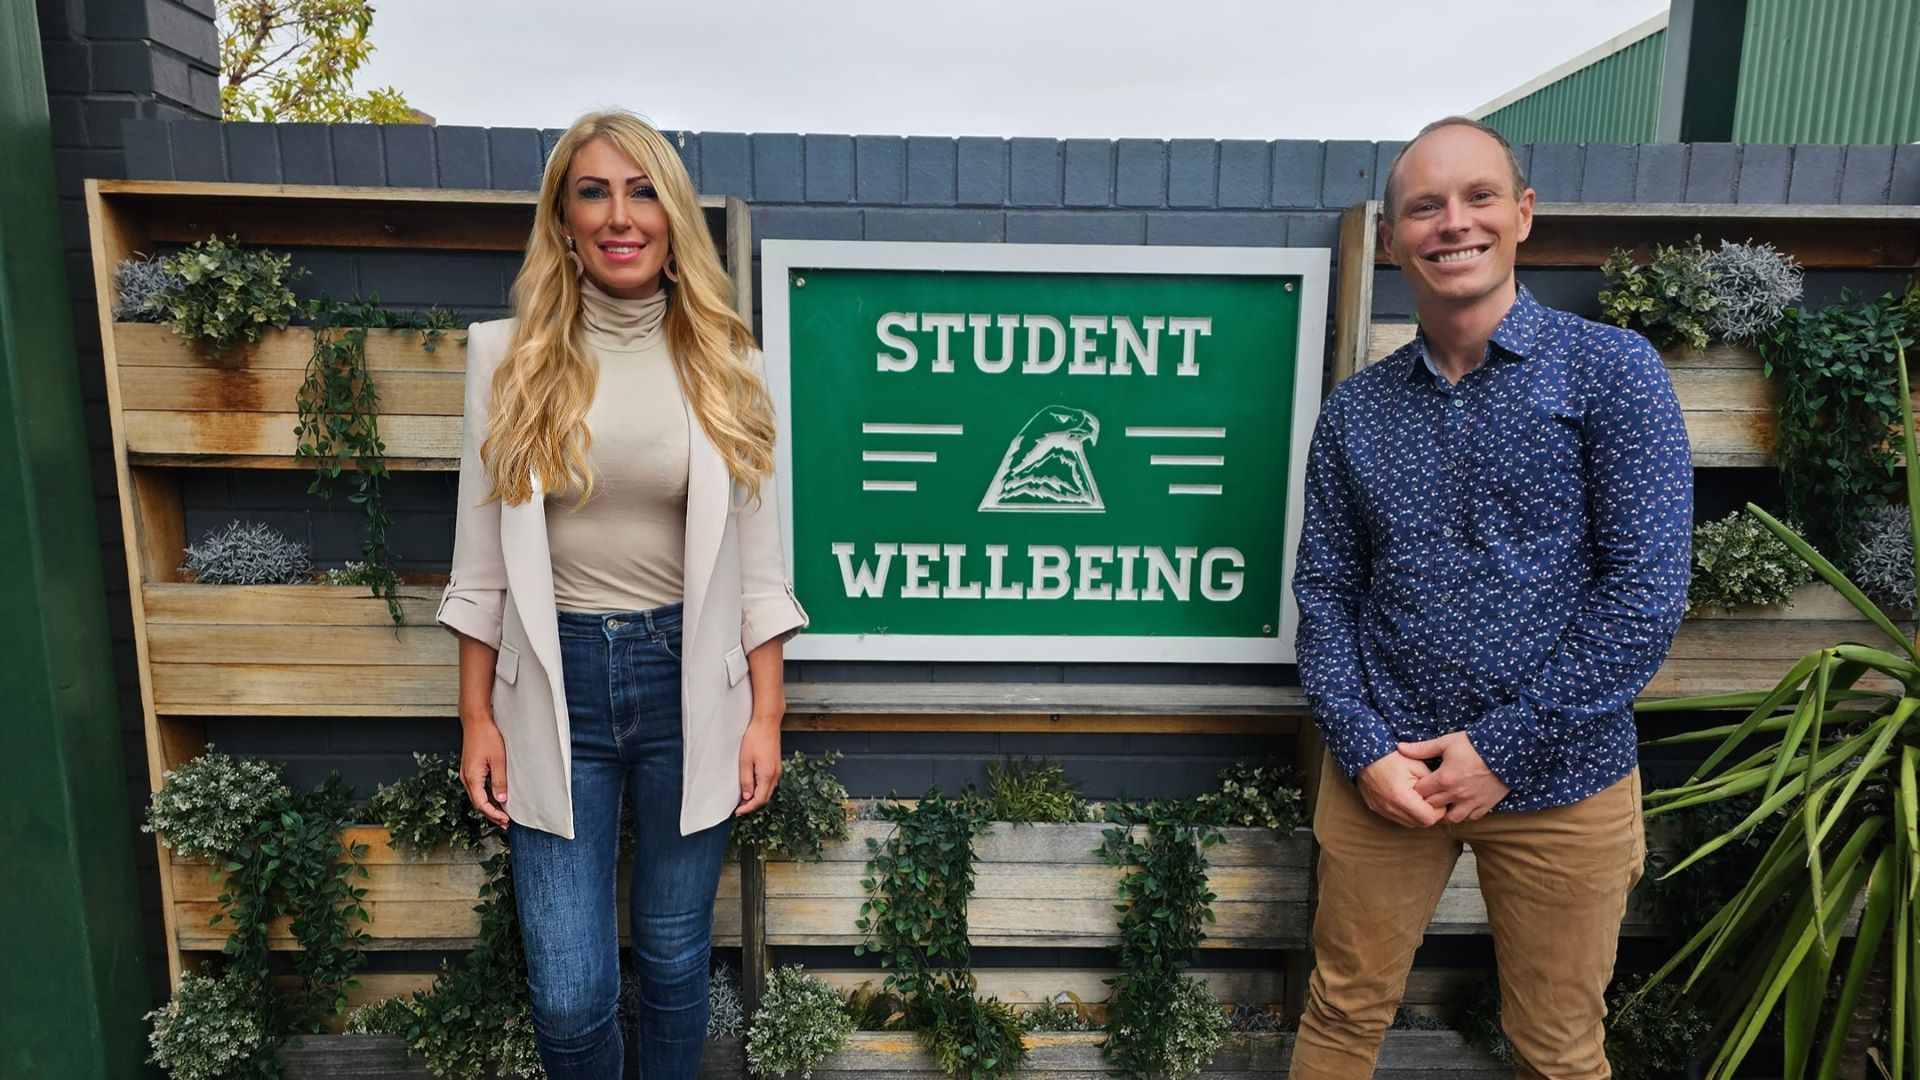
<point>1456,220</point>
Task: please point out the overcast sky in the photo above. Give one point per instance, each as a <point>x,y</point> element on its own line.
<point>1344,69</point>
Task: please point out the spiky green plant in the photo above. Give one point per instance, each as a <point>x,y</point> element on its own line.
<point>1834,766</point>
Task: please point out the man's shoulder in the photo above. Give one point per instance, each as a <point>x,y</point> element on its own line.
<point>1370,383</point>
<point>1585,339</point>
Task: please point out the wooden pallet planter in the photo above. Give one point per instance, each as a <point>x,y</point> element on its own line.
<point>1751,647</point>
<point>1042,885</point>
<point>384,1057</point>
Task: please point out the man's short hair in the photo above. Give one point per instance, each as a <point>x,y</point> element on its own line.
<point>1513,162</point>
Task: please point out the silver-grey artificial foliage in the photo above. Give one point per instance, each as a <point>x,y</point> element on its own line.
<point>138,286</point>
<point>248,554</point>
<point>726,1010</point>
<point>1883,562</point>
<point>1753,285</point>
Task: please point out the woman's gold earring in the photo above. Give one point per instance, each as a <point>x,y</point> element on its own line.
<point>569,237</point>
<point>672,269</point>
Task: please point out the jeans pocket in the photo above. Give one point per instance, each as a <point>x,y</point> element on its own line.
<point>669,642</point>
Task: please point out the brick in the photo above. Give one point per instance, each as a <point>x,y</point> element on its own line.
<point>726,164</point>
<point>461,153</point>
<point>1217,228</point>
<point>306,153</point>
<point>1815,176</point>
<point>148,150</point>
<point>54,20</point>
<point>944,743</point>
<point>1036,172</point>
<point>981,169</point>
<point>1346,175</point>
<point>550,138</point>
<point>450,280</point>
<point>1523,154</point>
<point>1297,169</point>
<point>1313,230</point>
<point>879,169</point>
<point>109,19</point>
<point>1089,172</point>
<point>1905,187</point>
<point>359,156</point>
<point>931,166</point>
<point>1610,172</point>
<point>1764,172</point>
<point>1661,173</point>
<point>1071,227</point>
<point>204,91</point>
<point>126,67</point>
<point>1243,173</point>
<point>1191,172</point>
<point>1712,169</point>
<point>1383,155</point>
<point>686,142</point>
<point>514,159</point>
<point>410,155</point>
<point>253,151</point>
<point>935,225</point>
<point>1557,169</point>
<point>1867,175</point>
<point>199,7</point>
<point>1140,175</point>
<point>778,173</point>
<point>83,122</point>
<point>807,223</point>
<point>198,153</point>
<point>829,168</point>
<point>183,30</point>
<point>172,77</point>
<point>869,777</point>
<point>69,67</point>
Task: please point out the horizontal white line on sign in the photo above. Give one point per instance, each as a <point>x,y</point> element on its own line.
<point>912,429</point>
<point>1193,489</point>
<point>1176,433</point>
<point>889,485</point>
<point>1182,459</point>
<point>898,455</point>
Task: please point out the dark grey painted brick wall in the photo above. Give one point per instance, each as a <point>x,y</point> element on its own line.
<point>1083,191</point>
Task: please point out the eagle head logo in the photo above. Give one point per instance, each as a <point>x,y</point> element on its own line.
<point>1045,467</point>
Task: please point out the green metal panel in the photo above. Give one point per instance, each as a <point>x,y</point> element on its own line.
<point>1614,99</point>
<point>74,981</point>
<point>1830,71</point>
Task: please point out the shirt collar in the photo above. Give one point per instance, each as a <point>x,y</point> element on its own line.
<point>1516,336</point>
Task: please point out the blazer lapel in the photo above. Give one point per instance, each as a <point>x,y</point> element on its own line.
<point>709,490</point>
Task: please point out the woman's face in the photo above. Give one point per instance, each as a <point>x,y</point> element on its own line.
<point>618,225</point>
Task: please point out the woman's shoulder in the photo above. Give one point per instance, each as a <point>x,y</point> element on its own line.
<point>487,341</point>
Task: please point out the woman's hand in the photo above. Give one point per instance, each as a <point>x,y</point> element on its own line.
<point>483,767</point>
<point>760,746</point>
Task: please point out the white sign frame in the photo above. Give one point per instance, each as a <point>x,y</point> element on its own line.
<point>779,257</point>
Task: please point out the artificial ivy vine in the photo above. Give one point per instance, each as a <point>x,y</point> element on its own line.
<point>915,918</point>
<point>339,419</point>
<point>1161,1021</point>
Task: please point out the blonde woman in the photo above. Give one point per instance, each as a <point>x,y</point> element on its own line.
<point>619,590</point>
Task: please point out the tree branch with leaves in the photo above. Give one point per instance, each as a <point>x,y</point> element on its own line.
<point>295,61</point>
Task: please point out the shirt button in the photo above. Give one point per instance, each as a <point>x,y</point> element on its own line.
<point>1447,531</point>
<point>1459,402</point>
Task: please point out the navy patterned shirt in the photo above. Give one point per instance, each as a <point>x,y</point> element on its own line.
<point>1506,556</point>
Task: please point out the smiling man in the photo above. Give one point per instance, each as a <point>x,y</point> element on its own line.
<point>1493,565</point>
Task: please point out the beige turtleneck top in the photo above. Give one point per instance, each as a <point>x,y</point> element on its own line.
<point>625,548</point>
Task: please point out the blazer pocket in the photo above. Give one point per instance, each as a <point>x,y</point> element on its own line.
<point>506,667</point>
<point>736,659</point>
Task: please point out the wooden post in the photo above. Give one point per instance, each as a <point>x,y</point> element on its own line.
<point>755,959</point>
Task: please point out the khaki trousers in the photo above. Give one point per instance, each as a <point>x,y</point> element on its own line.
<point>1555,883</point>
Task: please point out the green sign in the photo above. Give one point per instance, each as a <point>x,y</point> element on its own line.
<point>997,452</point>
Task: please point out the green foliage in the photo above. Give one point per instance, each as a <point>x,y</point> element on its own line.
<point>1259,796</point>
<point>476,1021</point>
<point>1670,299</point>
<point>1837,412</point>
<point>1480,1022</point>
<point>250,554</point>
<point>430,810</point>
<point>1028,790</point>
<point>288,61</point>
<point>968,1036</point>
<point>207,808</point>
<point>807,810</point>
<point>1653,1035</point>
<point>388,1016</point>
<point>140,285</point>
<point>1063,1012</point>
<point>876,1007</point>
<point>226,292</point>
<point>1836,770</point>
<point>212,1029</point>
<point>1736,561</point>
<point>352,574</point>
<point>339,420</point>
<point>800,1021</point>
<point>1683,903</point>
<point>1155,1024</point>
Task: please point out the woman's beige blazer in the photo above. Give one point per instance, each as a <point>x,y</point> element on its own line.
<point>501,592</point>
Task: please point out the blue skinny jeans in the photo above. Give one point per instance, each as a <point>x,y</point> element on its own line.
<point>622,674</point>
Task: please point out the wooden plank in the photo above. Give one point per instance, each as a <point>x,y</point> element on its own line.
<point>179,389</point>
<point>1463,910</point>
<point>1048,844</point>
<point>389,352</point>
<point>158,522</point>
<point>359,646</point>
<point>899,699</point>
<point>1054,722</point>
<point>274,605</point>
<point>1354,289</point>
<point>1037,986</point>
<point>319,689</point>
<point>384,1057</point>
<point>1385,337</point>
<point>270,434</point>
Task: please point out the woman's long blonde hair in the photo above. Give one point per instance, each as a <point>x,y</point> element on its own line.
<point>542,390</point>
